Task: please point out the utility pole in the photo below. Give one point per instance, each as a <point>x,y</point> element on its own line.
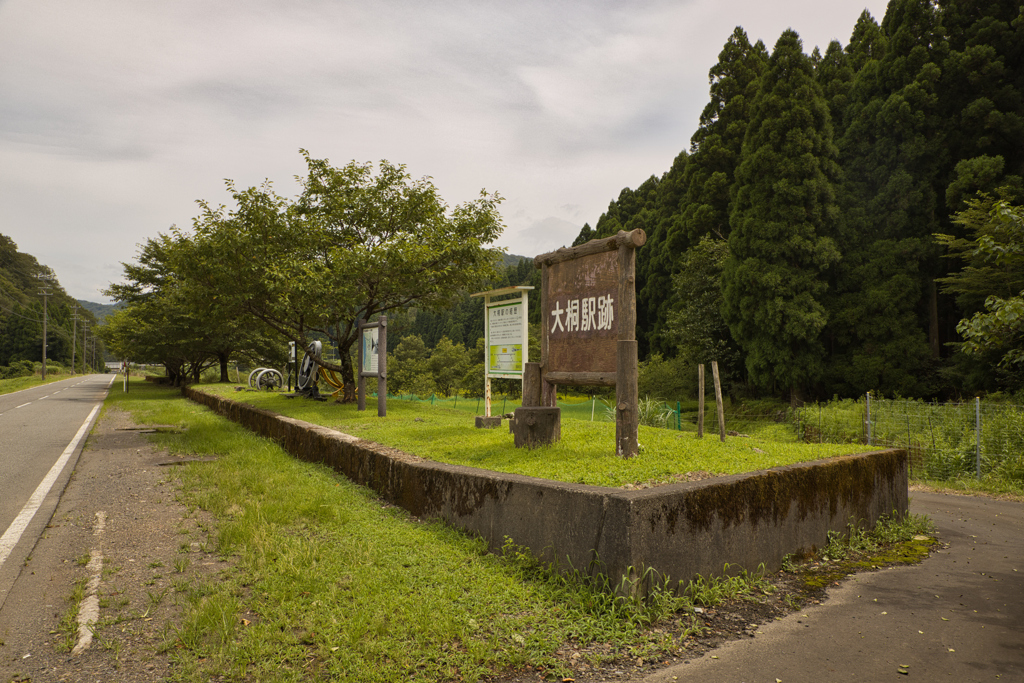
<point>44,291</point>
<point>85,347</point>
<point>74,333</point>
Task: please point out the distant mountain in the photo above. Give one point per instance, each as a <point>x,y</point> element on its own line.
<point>513,260</point>
<point>101,311</point>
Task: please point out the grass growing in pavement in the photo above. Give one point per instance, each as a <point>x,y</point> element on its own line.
<point>584,455</point>
<point>328,582</point>
<point>893,541</point>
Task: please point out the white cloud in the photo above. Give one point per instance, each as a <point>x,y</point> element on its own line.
<point>117,115</point>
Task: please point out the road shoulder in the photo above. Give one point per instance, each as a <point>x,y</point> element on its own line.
<point>151,548</point>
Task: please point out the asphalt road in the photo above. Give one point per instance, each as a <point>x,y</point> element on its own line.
<point>38,451</point>
<point>957,616</point>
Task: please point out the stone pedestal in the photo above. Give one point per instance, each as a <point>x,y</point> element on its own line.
<point>488,422</point>
<point>537,426</point>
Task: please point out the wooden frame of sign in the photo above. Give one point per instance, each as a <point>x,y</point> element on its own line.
<point>366,367</point>
<point>592,339</point>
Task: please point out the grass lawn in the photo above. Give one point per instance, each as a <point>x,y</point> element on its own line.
<point>585,454</point>
<point>328,583</point>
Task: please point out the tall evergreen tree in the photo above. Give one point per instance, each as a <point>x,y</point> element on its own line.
<point>783,212</point>
<point>982,93</point>
<point>716,146</point>
<point>835,75</point>
<point>884,304</point>
<point>635,209</point>
<point>694,196</point>
<point>656,261</point>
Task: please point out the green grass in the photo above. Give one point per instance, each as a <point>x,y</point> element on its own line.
<point>9,386</point>
<point>584,455</point>
<point>330,583</point>
<point>893,541</point>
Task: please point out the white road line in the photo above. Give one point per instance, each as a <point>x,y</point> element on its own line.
<point>89,610</point>
<point>23,405</point>
<point>20,523</point>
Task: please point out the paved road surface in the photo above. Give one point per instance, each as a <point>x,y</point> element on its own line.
<point>37,428</point>
<point>958,616</point>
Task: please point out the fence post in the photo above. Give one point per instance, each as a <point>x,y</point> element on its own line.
<point>977,434</point>
<point>718,401</point>
<point>910,453</point>
<point>679,416</point>
<point>867,417</point>
<point>700,401</point>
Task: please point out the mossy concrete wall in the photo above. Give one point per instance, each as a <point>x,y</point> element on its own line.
<point>680,530</point>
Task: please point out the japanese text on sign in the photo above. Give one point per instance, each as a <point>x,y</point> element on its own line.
<point>583,315</point>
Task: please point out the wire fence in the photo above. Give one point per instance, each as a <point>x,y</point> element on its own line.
<point>945,440</point>
<point>653,412</point>
<point>575,407</point>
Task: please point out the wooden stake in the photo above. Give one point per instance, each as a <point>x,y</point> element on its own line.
<point>382,367</point>
<point>360,381</point>
<point>700,401</point>
<point>718,401</point>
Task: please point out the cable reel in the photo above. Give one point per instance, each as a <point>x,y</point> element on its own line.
<point>309,370</point>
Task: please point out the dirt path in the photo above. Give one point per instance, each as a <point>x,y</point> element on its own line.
<point>119,511</point>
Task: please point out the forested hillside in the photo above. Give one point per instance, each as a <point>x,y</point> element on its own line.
<point>795,240</point>
<point>100,311</point>
<point>21,315</point>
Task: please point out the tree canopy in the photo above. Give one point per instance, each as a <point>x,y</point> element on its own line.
<point>356,243</point>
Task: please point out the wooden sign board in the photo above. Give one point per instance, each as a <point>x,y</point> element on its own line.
<point>580,323</point>
<point>588,337</point>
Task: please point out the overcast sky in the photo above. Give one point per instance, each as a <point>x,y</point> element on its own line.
<point>116,115</point>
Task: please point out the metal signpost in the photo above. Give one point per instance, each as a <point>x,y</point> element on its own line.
<point>506,338</point>
<point>373,362</point>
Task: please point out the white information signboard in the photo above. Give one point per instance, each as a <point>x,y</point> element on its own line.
<point>370,341</point>
<point>506,335</point>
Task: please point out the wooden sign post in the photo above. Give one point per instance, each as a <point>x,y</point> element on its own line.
<point>373,362</point>
<point>588,314</point>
